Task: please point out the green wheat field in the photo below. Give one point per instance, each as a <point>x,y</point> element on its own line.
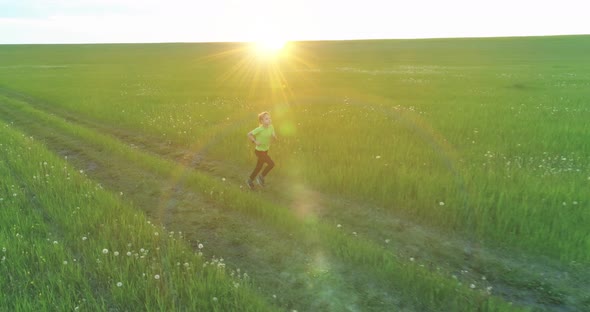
<point>411,175</point>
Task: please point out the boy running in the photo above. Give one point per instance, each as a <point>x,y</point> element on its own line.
<point>261,136</point>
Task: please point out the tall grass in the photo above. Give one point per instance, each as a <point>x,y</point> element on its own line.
<point>484,137</point>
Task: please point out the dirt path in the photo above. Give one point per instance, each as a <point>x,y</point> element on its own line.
<point>536,282</point>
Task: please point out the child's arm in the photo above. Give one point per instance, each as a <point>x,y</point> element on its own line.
<point>252,138</point>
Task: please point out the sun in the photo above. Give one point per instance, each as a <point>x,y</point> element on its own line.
<point>270,47</point>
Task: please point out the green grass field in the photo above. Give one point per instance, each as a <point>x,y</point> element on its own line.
<point>412,175</point>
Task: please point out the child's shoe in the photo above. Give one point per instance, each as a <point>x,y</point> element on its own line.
<point>250,184</point>
<point>260,180</point>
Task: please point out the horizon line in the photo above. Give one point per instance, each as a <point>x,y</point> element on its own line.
<point>301,40</point>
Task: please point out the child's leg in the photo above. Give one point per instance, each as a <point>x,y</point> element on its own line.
<point>259,164</point>
<point>269,166</point>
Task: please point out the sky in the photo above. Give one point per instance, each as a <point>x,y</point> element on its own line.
<point>117,21</point>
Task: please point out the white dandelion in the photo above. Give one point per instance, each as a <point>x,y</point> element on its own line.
<point>119,284</point>
<point>105,251</point>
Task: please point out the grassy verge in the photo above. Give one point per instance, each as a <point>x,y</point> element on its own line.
<point>67,244</point>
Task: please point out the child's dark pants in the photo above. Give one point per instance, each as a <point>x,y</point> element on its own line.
<point>262,158</point>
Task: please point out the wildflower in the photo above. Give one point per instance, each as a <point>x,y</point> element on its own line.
<point>116,253</point>
<point>472,286</point>
<point>575,202</point>
<point>200,246</point>
<point>441,203</point>
<point>157,276</point>
<point>129,253</point>
<point>215,299</point>
<point>55,242</point>
<point>412,259</point>
<point>387,241</point>
<point>223,179</point>
<point>14,194</point>
<point>3,249</point>
<point>186,264</point>
<point>84,238</point>
<point>378,157</point>
<point>156,234</point>
<point>339,225</point>
<point>105,251</point>
<point>119,284</point>
<point>65,262</point>
<point>353,233</point>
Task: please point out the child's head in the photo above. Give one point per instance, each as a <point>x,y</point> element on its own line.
<point>264,118</point>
